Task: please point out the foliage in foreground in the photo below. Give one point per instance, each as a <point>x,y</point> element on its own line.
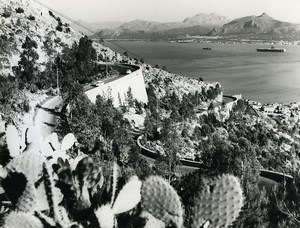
<point>48,188</point>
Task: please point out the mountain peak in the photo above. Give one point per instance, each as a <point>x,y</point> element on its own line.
<point>211,19</point>
<point>264,15</point>
<point>259,26</point>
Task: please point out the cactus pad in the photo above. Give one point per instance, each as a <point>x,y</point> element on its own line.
<point>128,197</point>
<point>13,140</point>
<point>161,200</point>
<point>28,200</point>
<point>21,220</point>
<point>152,221</point>
<point>28,163</point>
<point>220,203</point>
<point>105,216</point>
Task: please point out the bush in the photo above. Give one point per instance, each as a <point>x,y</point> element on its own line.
<point>57,40</point>
<point>32,18</point>
<point>19,31</point>
<point>51,14</point>
<point>6,14</point>
<point>59,28</point>
<point>26,106</point>
<point>19,10</point>
<point>18,23</point>
<point>3,37</point>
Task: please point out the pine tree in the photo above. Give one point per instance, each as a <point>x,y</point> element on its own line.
<point>27,69</point>
<point>130,100</point>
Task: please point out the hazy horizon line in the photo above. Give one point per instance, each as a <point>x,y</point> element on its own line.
<point>165,21</point>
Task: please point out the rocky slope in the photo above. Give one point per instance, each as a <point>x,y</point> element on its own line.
<point>26,18</point>
<point>262,26</point>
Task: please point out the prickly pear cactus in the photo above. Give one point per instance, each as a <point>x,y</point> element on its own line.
<point>151,221</point>
<point>52,193</point>
<point>105,216</point>
<point>13,140</point>
<point>24,170</point>
<point>161,200</point>
<point>28,200</point>
<point>28,163</point>
<point>128,197</point>
<point>21,220</point>
<point>220,204</point>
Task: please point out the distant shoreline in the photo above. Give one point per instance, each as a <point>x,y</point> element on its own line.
<point>212,41</point>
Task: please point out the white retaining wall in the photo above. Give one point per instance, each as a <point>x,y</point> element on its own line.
<point>119,87</point>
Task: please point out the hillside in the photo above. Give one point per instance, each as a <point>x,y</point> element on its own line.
<point>262,26</point>
<point>26,18</point>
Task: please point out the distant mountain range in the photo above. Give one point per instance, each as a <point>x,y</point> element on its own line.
<point>95,26</point>
<point>262,26</point>
<point>252,27</point>
<point>139,29</point>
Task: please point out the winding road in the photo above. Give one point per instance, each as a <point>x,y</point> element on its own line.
<point>46,117</point>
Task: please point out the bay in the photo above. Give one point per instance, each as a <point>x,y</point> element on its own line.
<point>260,76</point>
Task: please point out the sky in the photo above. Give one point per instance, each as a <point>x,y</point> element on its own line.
<point>173,10</point>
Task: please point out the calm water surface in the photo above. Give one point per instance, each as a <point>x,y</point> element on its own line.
<point>260,76</point>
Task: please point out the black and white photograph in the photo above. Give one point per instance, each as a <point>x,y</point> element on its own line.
<point>150,114</point>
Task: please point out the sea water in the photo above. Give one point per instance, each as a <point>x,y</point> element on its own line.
<point>261,76</point>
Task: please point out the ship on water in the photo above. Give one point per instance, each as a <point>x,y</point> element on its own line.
<point>271,49</point>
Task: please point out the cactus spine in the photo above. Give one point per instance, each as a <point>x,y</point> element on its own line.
<point>220,204</point>
<point>161,200</point>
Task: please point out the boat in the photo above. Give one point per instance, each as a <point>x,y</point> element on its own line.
<point>206,48</point>
<point>271,49</point>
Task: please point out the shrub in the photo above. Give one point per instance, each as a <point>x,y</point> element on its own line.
<point>3,37</point>
<point>30,17</point>
<point>51,14</point>
<point>19,10</point>
<point>57,40</point>
<point>6,14</point>
<point>26,106</point>
<point>18,23</point>
<point>59,28</point>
